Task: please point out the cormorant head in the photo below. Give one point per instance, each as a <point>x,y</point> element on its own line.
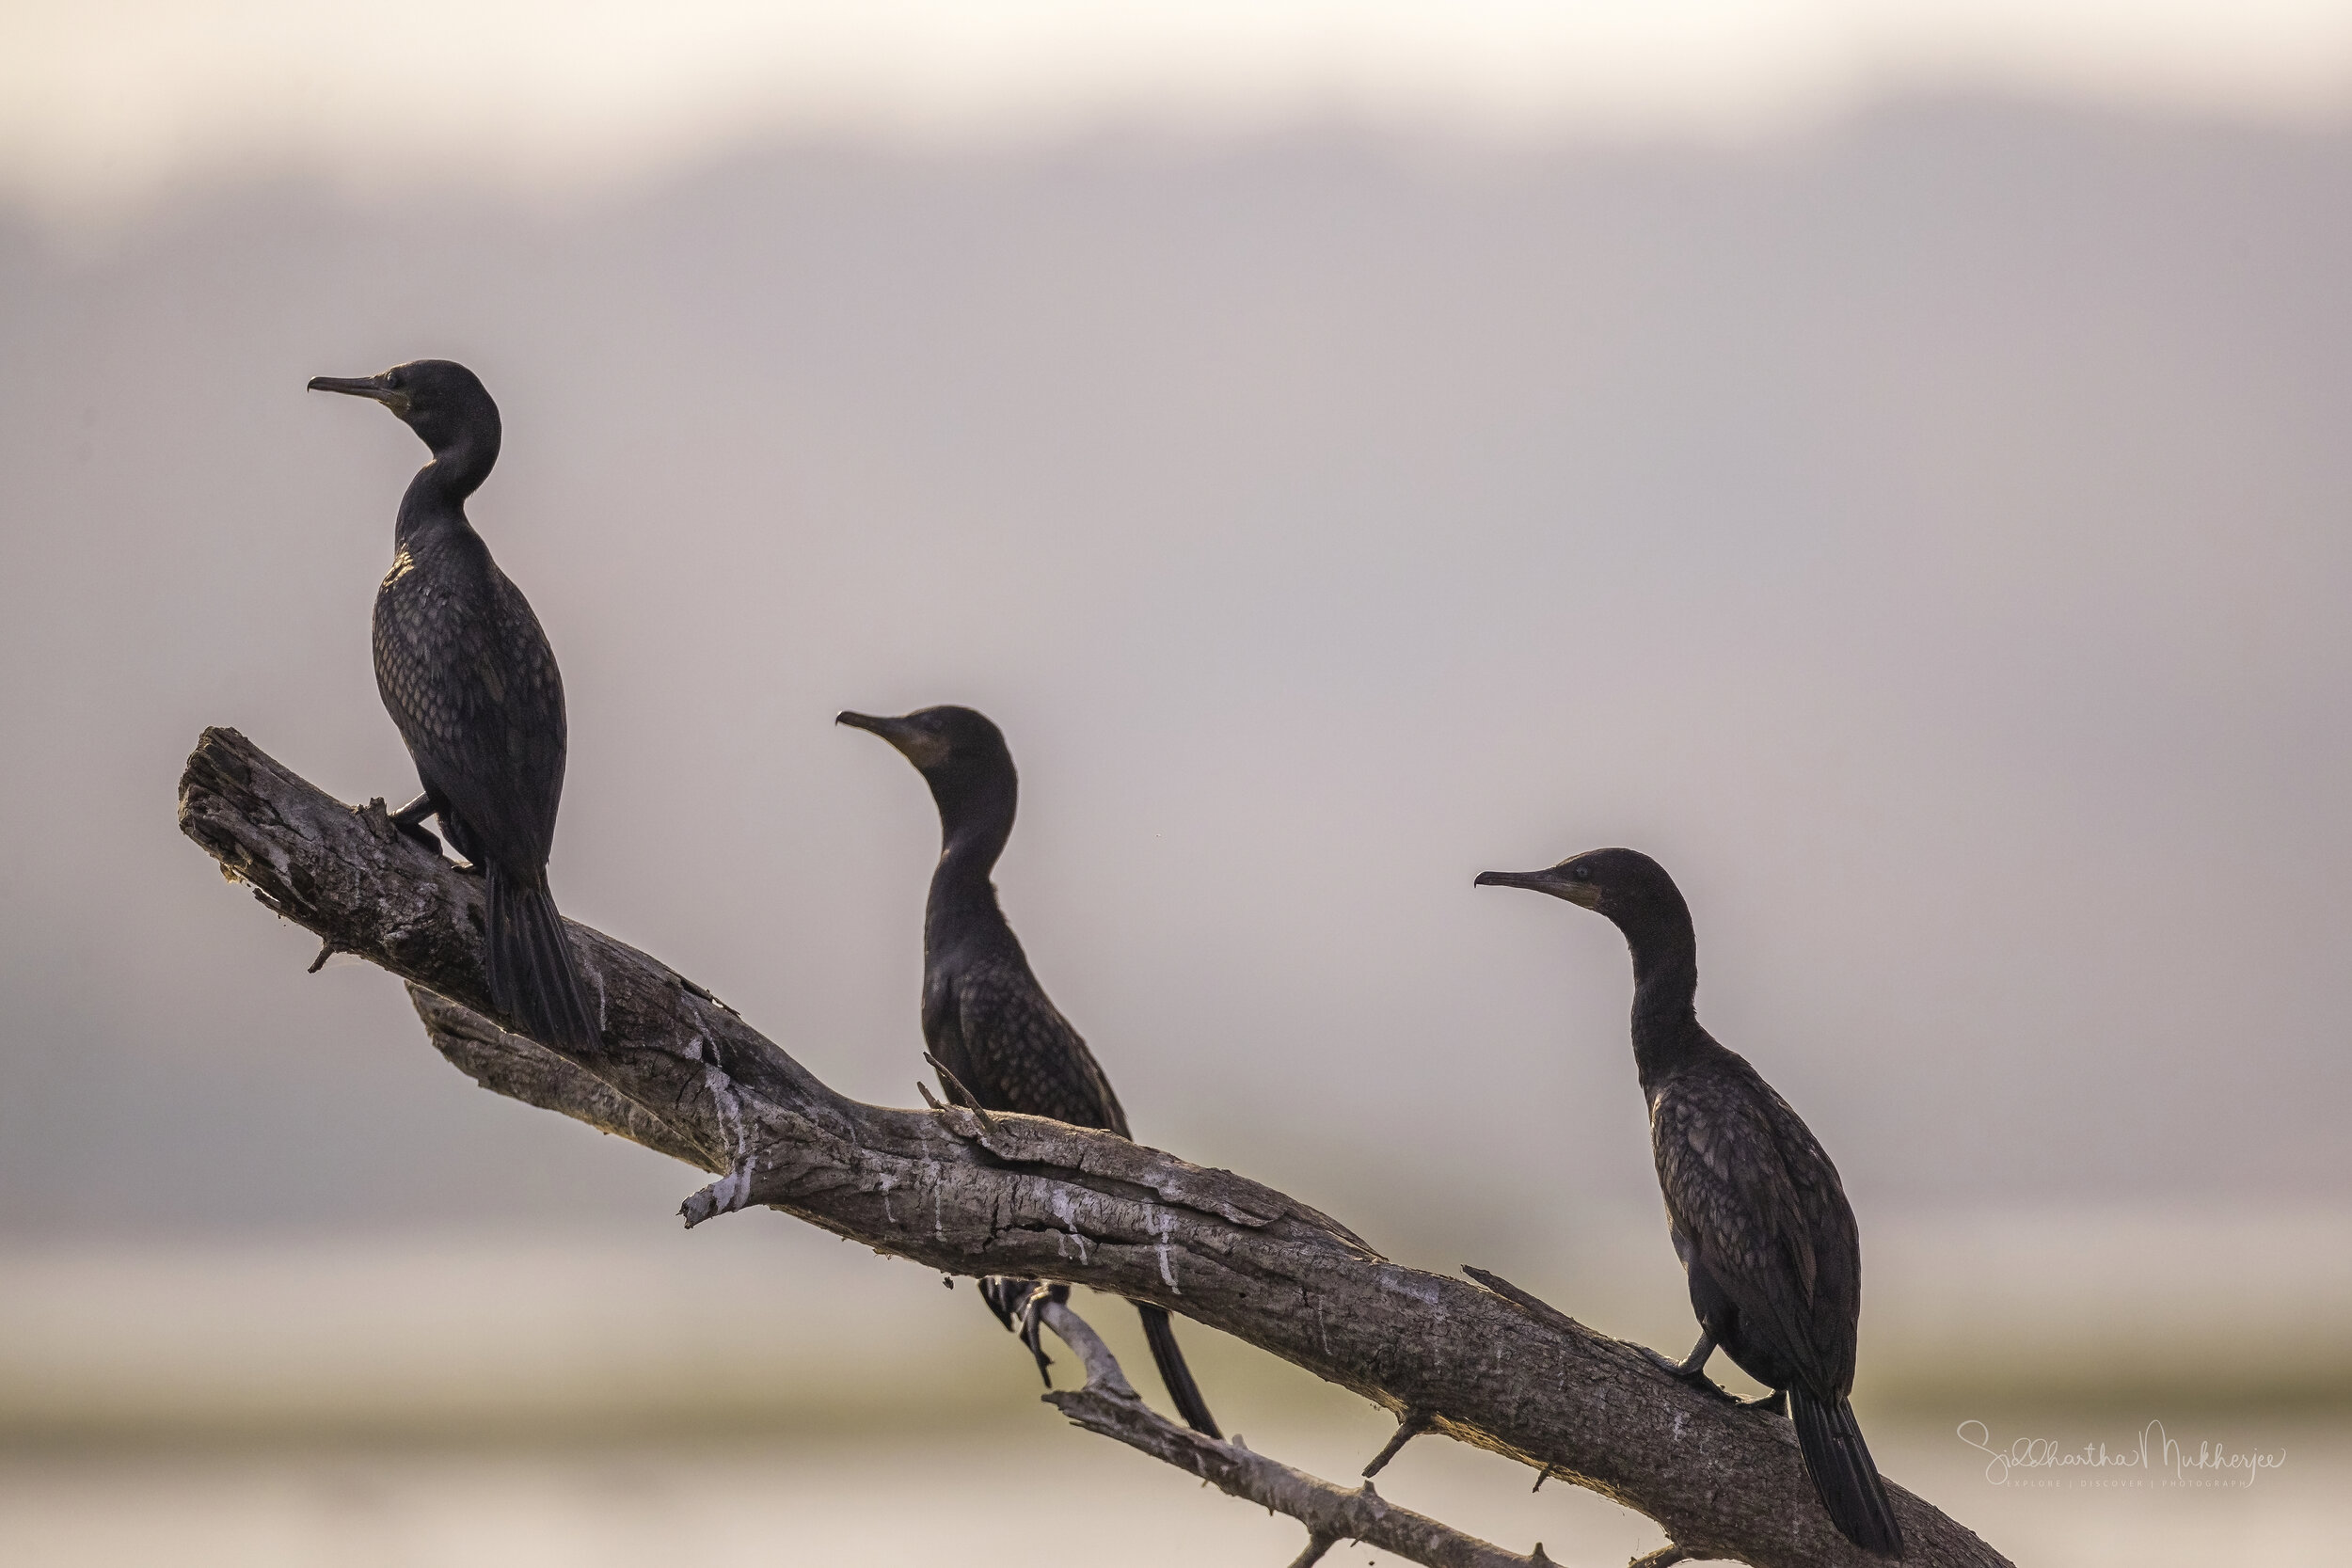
<point>1623,884</point>
<point>444,402</point>
<point>959,751</point>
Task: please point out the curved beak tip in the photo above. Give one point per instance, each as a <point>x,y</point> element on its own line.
<point>871,723</point>
<point>351,386</point>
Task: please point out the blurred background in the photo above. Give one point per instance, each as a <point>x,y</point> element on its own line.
<point>1887,461</point>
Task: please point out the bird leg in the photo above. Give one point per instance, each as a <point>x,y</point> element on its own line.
<point>1776,1401</point>
<point>1692,1369</point>
<point>1004,1296</point>
<point>1694,1363</point>
<point>1033,1326</point>
<point>462,838</point>
<point>1017,1303</point>
<point>409,821</point>
<point>1032,1333</point>
<point>1409,1426</point>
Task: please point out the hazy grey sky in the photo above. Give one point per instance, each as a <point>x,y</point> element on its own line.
<point>1928,538</point>
<point>108,102</point>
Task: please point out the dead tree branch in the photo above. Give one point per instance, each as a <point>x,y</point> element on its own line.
<point>1020,1195</point>
<point>1108,1404</point>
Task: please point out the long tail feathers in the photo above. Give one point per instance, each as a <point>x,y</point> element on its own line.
<point>1173,1372</point>
<point>534,980</point>
<point>1843,1476</point>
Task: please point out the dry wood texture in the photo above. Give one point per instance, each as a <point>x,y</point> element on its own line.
<point>975,1193</point>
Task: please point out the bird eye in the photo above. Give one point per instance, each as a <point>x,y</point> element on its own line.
<point>1580,873</point>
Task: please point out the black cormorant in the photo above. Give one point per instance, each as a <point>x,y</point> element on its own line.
<point>1759,1216</point>
<point>469,678</point>
<point>992,1029</point>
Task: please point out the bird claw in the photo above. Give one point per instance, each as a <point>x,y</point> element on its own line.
<point>1033,1333</point>
<point>1016,1304</point>
<point>416,833</point>
<point>1004,1297</point>
<point>409,821</point>
<point>1696,1377</point>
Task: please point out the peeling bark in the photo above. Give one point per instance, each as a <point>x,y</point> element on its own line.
<point>999,1193</point>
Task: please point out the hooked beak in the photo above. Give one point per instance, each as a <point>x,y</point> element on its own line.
<point>917,746</point>
<point>361,386</point>
<point>1550,879</point>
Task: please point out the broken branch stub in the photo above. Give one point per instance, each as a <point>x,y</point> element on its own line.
<point>1108,1405</point>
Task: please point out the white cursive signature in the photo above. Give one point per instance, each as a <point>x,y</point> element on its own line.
<point>2155,1450</point>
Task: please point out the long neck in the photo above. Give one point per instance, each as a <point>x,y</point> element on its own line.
<point>973,824</point>
<point>1666,1032</point>
<point>437,497</point>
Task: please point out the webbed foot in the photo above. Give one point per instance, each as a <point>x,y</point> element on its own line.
<point>409,821</point>
<point>1693,1370</point>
